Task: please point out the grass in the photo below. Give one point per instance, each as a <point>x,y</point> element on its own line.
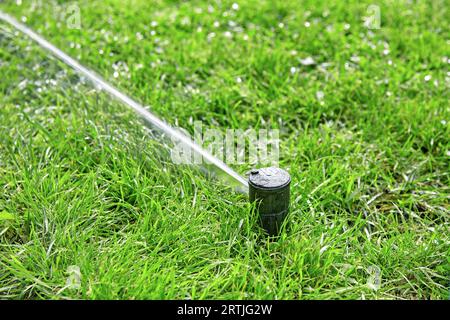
<point>364,135</point>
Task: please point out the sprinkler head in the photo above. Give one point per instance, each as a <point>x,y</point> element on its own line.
<point>270,188</point>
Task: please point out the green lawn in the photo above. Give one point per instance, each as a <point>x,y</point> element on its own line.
<point>364,135</point>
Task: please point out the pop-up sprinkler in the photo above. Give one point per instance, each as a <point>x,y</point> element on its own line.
<point>270,189</point>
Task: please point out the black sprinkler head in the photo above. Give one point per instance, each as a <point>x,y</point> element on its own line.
<point>270,188</point>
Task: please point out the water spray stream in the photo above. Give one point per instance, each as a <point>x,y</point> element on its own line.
<point>215,166</point>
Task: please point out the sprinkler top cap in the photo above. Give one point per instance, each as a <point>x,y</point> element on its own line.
<point>269,178</point>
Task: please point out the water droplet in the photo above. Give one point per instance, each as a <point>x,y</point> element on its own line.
<point>355,59</point>
<point>235,6</point>
<point>309,61</point>
<point>185,21</point>
<point>427,78</point>
<point>23,84</point>
<point>307,24</point>
<point>320,95</point>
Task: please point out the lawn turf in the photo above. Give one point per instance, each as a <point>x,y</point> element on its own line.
<point>364,134</point>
